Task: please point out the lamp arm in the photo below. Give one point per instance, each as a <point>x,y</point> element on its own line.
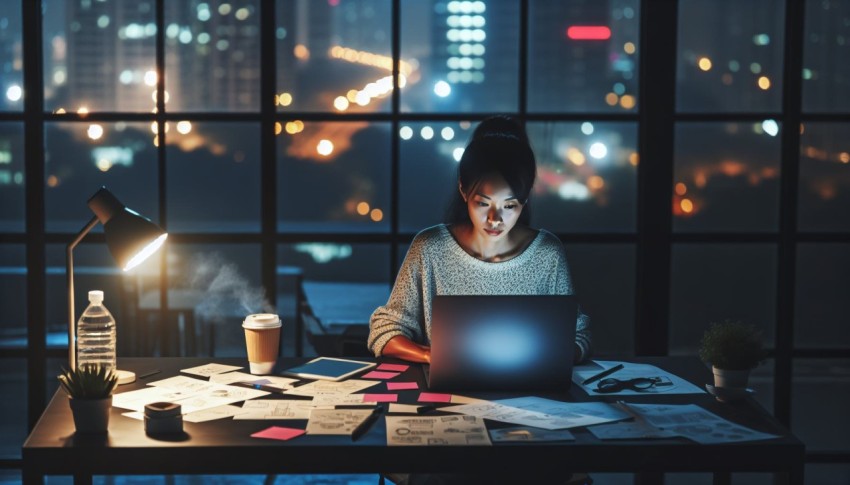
<point>69,275</point>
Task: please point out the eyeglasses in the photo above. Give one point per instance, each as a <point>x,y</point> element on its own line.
<point>639,384</point>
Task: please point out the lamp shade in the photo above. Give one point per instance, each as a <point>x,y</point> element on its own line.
<point>131,238</point>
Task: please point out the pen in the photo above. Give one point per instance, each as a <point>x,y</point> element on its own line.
<point>426,408</point>
<point>602,374</point>
<point>148,374</point>
<point>259,387</point>
<point>364,426</point>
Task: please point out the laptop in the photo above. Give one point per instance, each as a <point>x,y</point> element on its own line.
<point>502,342</point>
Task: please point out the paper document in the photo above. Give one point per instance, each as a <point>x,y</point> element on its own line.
<point>508,414</point>
<point>192,394</point>
<point>325,400</point>
<point>209,369</point>
<point>529,434</point>
<point>318,388</point>
<point>220,412</point>
<point>579,413</point>
<point>404,408</point>
<point>636,428</point>
<point>336,421</point>
<point>275,409</point>
<point>436,431</point>
<point>273,381</point>
<point>695,423</point>
<point>630,371</point>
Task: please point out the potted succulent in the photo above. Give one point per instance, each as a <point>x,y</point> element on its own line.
<point>733,349</point>
<point>90,391</point>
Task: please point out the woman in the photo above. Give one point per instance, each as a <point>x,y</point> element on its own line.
<point>486,247</point>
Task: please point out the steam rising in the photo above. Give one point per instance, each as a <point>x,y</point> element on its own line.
<point>226,292</point>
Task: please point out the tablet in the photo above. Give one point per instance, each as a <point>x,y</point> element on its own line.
<point>329,369</point>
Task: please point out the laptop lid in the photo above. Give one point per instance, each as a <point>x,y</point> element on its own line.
<point>502,342</point>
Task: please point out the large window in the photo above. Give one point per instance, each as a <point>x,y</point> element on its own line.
<point>268,138</point>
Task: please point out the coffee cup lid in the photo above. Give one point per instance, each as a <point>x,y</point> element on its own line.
<point>261,320</point>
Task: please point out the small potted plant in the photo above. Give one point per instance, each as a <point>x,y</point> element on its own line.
<point>733,349</point>
<point>90,391</point>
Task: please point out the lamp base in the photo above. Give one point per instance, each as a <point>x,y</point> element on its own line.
<point>125,376</point>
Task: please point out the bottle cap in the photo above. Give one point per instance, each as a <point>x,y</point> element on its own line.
<point>96,297</point>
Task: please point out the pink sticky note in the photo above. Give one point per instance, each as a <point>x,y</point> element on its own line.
<point>379,375</point>
<point>393,367</point>
<point>398,386</point>
<point>434,397</point>
<point>278,433</point>
<point>380,397</point>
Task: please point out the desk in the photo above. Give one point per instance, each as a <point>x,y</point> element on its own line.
<point>224,446</point>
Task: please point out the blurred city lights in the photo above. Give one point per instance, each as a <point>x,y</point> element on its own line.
<point>278,128</point>
<point>575,156</point>
<point>587,128</point>
<point>681,189</point>
<point>284,99</point>
<point>301,52</point>
<point>844,157</point>
<point>14,93</point>
<point>363,208</point>
<point>405,132</point>
<point>764,82</point>
<point>104,165</point>
<point>82,110</point>
<point>588,32</point>
<point>377,215</point>
<point>184,127</point>
<point>629,48</point>
<point>95,132</point>
<point>686,205</point>
<point>457,154</point>
<point>704,63</point>
<point>442,89</point>
<point>370,59</point>
<point>611,99</point>
<point>573,190</point>
<point>761,39</point>
<point>755,68</point>
<point>771,127</point>
<point>426,133</point>
<point>224,8</point>
<point>341,103</point>
<point>627,101</point>
<point>598,150</point>
<point>325,148</point>
<point>595,182</point>
<point>447,133</point>
<point>52,181</point>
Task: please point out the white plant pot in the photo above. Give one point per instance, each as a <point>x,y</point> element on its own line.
<point>730,379</point>
<point>91,415</point>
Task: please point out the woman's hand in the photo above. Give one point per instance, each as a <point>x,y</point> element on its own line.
<point>403,348</point>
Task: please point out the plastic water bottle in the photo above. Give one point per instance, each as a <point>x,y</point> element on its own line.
<point>96,334</point>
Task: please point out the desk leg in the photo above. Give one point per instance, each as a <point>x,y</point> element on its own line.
<point>722,478</point>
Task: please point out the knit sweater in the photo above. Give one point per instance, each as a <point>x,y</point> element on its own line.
<point>437,265</point>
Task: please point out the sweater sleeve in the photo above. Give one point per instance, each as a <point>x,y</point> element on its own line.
<point>564,286</point>
<point>403,313</point>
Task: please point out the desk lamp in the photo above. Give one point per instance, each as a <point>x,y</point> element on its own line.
<point>130,237</point>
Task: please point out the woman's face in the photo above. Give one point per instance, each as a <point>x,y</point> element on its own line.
<point>493,207</point>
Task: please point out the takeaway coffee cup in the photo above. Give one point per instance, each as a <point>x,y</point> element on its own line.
<point>262,337</point>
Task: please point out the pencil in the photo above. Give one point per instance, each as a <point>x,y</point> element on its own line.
<point>602,374</point>
<point>364,426</point>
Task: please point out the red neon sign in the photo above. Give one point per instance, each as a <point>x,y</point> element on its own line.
<point>588,32</point>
